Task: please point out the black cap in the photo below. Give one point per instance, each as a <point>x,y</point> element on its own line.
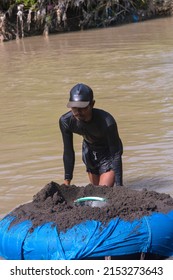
<point>80,96</point>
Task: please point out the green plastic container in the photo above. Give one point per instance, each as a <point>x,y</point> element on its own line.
<point>93,201</point>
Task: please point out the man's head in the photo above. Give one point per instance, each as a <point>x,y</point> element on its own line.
<point>81,96</point>
<point>81,102</point>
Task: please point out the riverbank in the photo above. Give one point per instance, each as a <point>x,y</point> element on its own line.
<point>18,19</point>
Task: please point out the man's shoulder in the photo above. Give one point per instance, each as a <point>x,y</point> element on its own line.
<point>66,120</point>
<point>102,113</point>
<point>104,118</point>
<point>65,117</point>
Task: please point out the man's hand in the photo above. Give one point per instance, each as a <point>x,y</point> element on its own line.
<point>67,182</point>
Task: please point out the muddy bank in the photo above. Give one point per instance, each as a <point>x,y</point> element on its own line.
<point>55,203</point>
<point>20,19</point>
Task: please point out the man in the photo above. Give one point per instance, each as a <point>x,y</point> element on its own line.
<point>102,147</point>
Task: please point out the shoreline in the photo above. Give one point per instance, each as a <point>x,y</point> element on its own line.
<point>19,21</point>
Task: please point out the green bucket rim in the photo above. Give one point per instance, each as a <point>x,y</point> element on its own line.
<point>90,198</point>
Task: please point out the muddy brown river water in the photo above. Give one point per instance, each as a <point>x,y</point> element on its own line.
<point>130,69</point>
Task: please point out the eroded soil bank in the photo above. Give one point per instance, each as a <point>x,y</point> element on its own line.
<point>25,18</point>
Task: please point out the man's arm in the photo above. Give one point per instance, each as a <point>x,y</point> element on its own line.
<point>116,150</point>
<point>118,168</point>
<point>68,154</point>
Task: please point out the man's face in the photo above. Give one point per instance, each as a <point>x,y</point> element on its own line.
<point>83,114</point>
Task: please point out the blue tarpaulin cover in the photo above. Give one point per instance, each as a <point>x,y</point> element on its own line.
<point>90,239</point>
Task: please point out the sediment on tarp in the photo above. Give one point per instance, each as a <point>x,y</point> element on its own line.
<point>55,203</point>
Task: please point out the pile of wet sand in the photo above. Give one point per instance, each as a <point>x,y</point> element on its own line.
<point>55,203</point>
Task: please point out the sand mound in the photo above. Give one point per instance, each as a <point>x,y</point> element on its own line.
<point>55,203</point>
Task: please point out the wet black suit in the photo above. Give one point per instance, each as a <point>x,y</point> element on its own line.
<point>102,146</point>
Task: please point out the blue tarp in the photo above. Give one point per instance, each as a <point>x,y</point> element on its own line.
<point>90,239</point>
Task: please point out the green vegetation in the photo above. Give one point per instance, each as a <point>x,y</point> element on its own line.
<point>5,4</point>
<point>27,3</point>
<point>138,4</point>
<point>19,18</point>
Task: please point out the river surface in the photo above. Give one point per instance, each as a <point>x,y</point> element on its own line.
<point>130,69</point>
